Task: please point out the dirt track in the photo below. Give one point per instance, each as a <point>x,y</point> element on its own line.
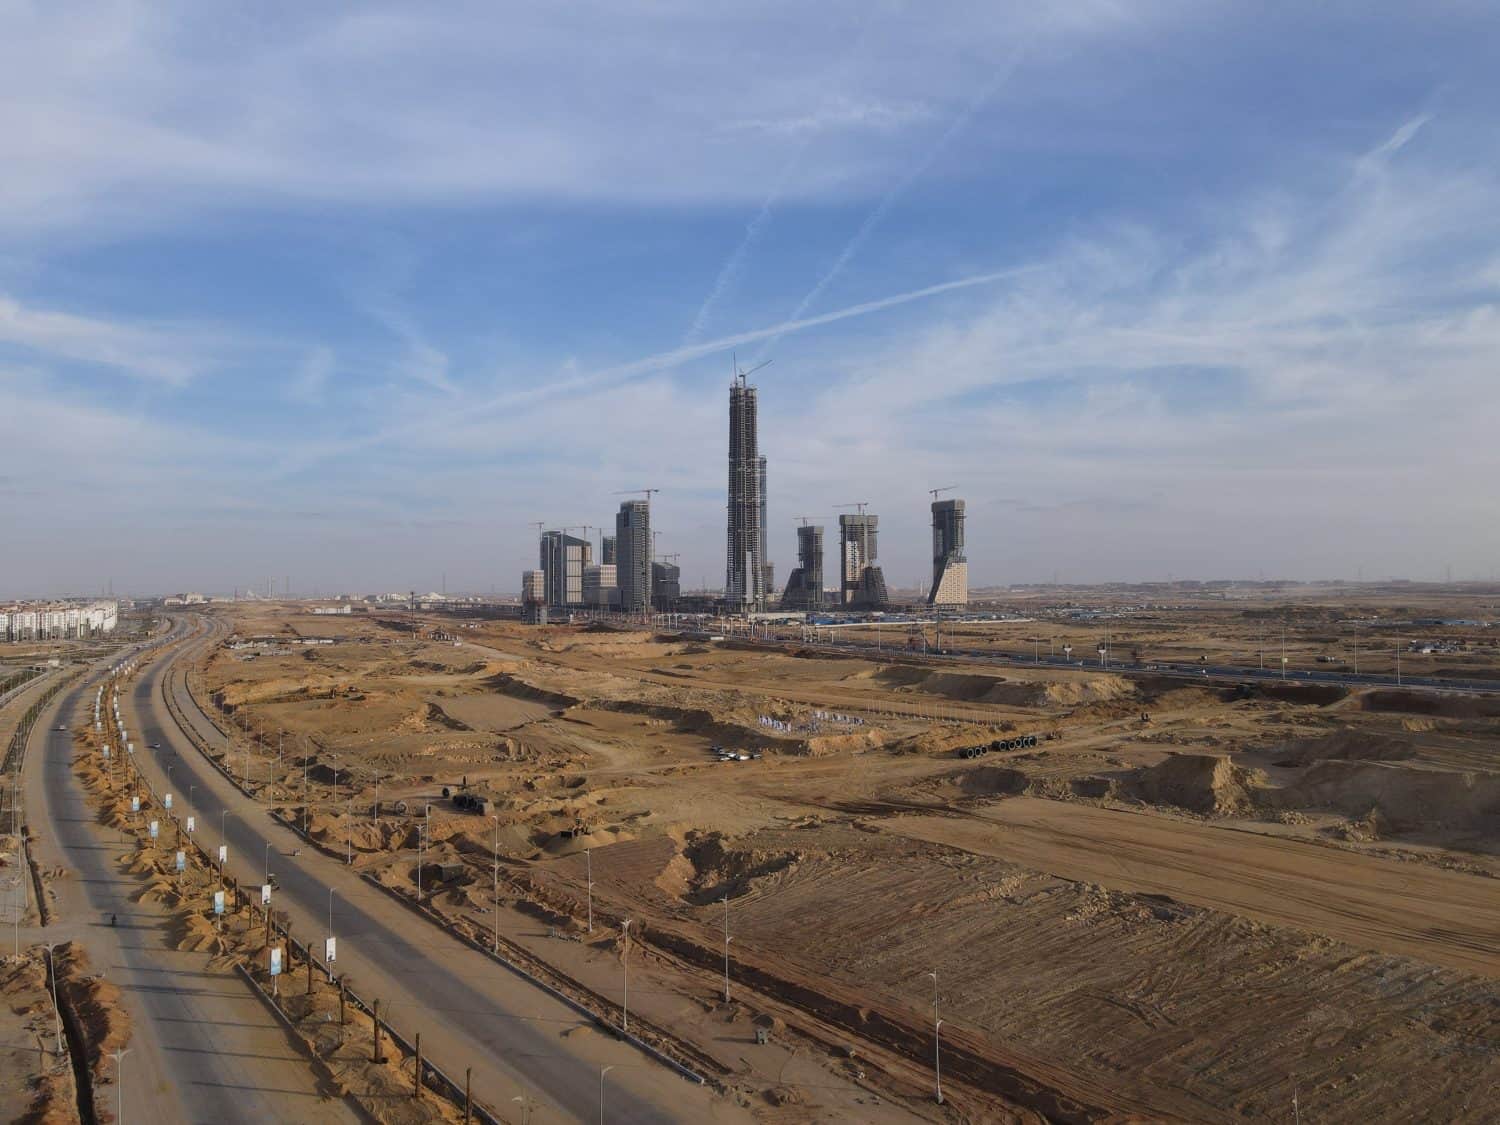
<point>1443,917</point>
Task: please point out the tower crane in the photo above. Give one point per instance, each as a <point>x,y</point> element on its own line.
<point>633,491</point>
<point>945,488</point>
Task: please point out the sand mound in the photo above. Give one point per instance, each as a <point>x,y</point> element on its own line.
<point>1405,799</point>
<point>1202,783</point>
<point>1422,703</point>
<point>706,870</point>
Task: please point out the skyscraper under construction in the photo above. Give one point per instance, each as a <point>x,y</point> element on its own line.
<point>745,572</point>
<point>862,583</point>
<point>804,587</point>
<point>950,569</point>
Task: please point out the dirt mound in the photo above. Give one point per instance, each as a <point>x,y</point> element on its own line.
<point>991,780</point>
<point>1201,783</point>
<point>707,871</point>
<point>105,1022</point>
<point>1347,746</point>
<point>977,688</point>
<point>1405,799</point>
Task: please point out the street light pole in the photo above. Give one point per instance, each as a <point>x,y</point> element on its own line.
<point>937,1025</point>
<point>120,1053</point>
<point>625,961</point>
<point>602,1073</point>
<point>588,862</point>
<point>726,947</point>
<point>496,891</point>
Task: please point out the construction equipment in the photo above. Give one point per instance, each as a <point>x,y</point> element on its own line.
<point>936,491</point>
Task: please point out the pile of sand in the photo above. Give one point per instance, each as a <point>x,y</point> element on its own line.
<point>1202,783</point>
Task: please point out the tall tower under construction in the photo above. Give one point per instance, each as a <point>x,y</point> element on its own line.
<point>950,569</point>
<point>862,583</point>
<point>745,572</point>
<point>804,586</point>
<point>633,555</point>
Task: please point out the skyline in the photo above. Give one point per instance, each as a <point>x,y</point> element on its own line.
<point>1163,289</point>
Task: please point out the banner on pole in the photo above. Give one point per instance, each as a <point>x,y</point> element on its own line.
<point>167,801</point>
<point>155,828</point>
<point>265,894</point>
<point>192,824</point>
<point>275,960</point>
<point>223,853</point>
<point>331,950</point>
<point>181,861</point>
<point>135,804</point>
<point>218,902</point>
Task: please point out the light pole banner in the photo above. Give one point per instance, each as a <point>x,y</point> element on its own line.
<point>331,950</point>
<point>218,902</point>
<point>154,829</point>
<point>135,804</point>
<point>106,751</point>
<point>275,960</point>
<point>265,894</point>
<point>181,861</point>
<point>192,824</point>
<point>167,800</point>
<point>223,853</point>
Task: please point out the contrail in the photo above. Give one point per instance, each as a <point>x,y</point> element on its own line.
<point>661,361</point>
<point>730,270</point>
<point>872,220</point>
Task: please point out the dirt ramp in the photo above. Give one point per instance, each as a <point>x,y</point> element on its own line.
<point>1202,783</point>
<point>1348,746</point>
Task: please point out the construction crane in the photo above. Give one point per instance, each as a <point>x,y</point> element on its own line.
<point>804,519</point>
<point>633,491</point>
<point>936,491</point>
<point>739,375</point>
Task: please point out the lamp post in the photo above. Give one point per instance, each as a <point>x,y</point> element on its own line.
<point>349,830</point>
<point>625,962</point>
<point>726,947</point>
<point>120,1053</point>
<point>588,864</point>
<point>56,1012</point>
<point>937,1025</point>
<point>330,931</point>
<point>602,1072</point>
<point>496,890</point>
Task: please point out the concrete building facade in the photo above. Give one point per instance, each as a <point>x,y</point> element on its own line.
<point>950,568</point>
<point>633,555</point>
<point>601,588</point>
<point>534,597</point>
<point>57,621</point>
<point>607,550</point>
<point>666,585</point>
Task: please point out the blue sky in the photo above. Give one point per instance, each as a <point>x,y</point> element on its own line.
<point>354,293</point>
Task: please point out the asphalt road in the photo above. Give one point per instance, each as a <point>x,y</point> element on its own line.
<point>203,1046</point>
<point>471,1012</point>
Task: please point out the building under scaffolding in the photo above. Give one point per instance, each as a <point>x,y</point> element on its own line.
<point>862,584</point>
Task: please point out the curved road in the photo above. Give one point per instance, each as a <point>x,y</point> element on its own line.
<point>203,1047</point>
<point>471,1012</point>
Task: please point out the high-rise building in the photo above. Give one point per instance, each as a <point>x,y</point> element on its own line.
<point>607,550</point>
<point>666,585</point>
<point>804,586</point>
<point>633,555</point>
<point>563,558</point>
<point>744,574</point>
<point>950,569</point>
<point>862,583</point>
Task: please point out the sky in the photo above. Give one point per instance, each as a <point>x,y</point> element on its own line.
<point>352,295</point>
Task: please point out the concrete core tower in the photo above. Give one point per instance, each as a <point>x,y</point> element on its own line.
<point>744,575</point>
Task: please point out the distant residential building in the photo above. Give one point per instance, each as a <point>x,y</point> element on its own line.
<point>58,621</point>
<point>633,555</point>
<point>950,569</point>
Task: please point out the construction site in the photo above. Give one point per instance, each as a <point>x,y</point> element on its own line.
<point>1126,896</point>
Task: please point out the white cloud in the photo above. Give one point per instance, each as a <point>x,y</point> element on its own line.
<point>157,352</point>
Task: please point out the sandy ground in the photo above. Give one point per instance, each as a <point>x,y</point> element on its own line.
<point>1099,907</point>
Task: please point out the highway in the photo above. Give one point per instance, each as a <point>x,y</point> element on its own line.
<point>471,1012</point>
<point>1194,673</point>
<point>203,1047</point>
